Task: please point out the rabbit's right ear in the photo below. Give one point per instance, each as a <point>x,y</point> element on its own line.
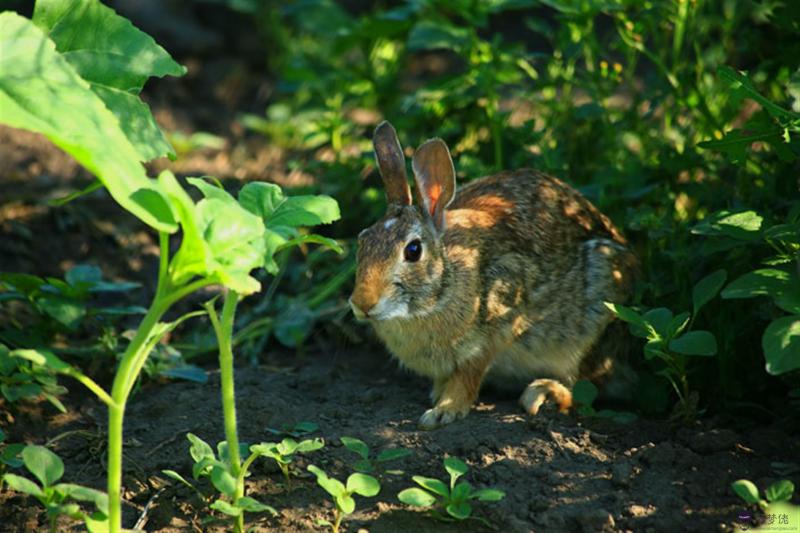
<point>392,164</point>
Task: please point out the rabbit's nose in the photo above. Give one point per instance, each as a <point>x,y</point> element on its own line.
<point>360,311</point>
<point>357,312</point>
<point>362,301</point>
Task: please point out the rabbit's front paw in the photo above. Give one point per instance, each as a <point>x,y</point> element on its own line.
<point>440,416</point>
<point>537,392</point>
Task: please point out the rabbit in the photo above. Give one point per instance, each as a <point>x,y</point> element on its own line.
<point>503,281</point>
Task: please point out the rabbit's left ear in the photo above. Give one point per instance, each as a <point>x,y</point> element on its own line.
<point>435,178</point>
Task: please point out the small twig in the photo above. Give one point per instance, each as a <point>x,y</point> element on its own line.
<point>167,441</point>
<point>143,517</point>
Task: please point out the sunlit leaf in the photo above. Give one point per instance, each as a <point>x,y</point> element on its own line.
<point>781,345</point>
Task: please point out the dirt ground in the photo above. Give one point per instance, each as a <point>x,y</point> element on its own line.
<point>560,473</point>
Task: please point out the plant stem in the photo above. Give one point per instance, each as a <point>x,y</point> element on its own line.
<point>116,411</point>
<point>337,519</point>
<point>223,327</point>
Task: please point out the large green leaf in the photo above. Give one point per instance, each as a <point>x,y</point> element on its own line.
<point>781,344</point>
<point>116,58</point>
<point>112,50</point>
<point>47,96</point>
<point>136,121</point>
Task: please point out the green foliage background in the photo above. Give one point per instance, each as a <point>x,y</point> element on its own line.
<point>679,119</point>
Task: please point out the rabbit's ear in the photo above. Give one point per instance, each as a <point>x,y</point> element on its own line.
<point>392,164</point>
<point>435,178</point>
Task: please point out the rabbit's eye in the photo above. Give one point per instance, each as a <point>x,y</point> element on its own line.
<point>413,251</point>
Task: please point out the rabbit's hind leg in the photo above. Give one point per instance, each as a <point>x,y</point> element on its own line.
<point>540,390</point>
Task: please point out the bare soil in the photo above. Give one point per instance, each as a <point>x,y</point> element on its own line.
<point>560,473</point>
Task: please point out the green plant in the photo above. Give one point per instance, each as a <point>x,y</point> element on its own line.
<point>283,452</point>
<point>453,499</point>
<point>23,377</point>
<point>670,338</point>
<point>217,468</point>
<point>780,281</point>
<point>367,464</point>
<point>57,498</point>
<point>78,70</point>
<point>780,491</point>
<point>61,304</point>
<point>342,493</point>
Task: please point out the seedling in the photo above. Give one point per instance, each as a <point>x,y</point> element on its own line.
<point>454,500</point>
<point>217,467</point>
<point>780,491</point>
<point>283,452</point>
<point>365,464</point>
<point>48,468</point>
<point>358,483</point>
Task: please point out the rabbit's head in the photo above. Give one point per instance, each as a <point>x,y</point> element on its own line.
<point>401,262</point>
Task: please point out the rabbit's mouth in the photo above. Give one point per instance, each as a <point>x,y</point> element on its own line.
<point>384,309</point>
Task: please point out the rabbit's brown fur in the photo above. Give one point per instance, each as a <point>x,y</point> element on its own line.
<point>510,285</point>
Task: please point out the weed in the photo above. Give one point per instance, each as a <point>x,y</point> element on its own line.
<point>453,499</point>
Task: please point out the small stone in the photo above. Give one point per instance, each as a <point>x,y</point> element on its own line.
<point>715,440</point>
